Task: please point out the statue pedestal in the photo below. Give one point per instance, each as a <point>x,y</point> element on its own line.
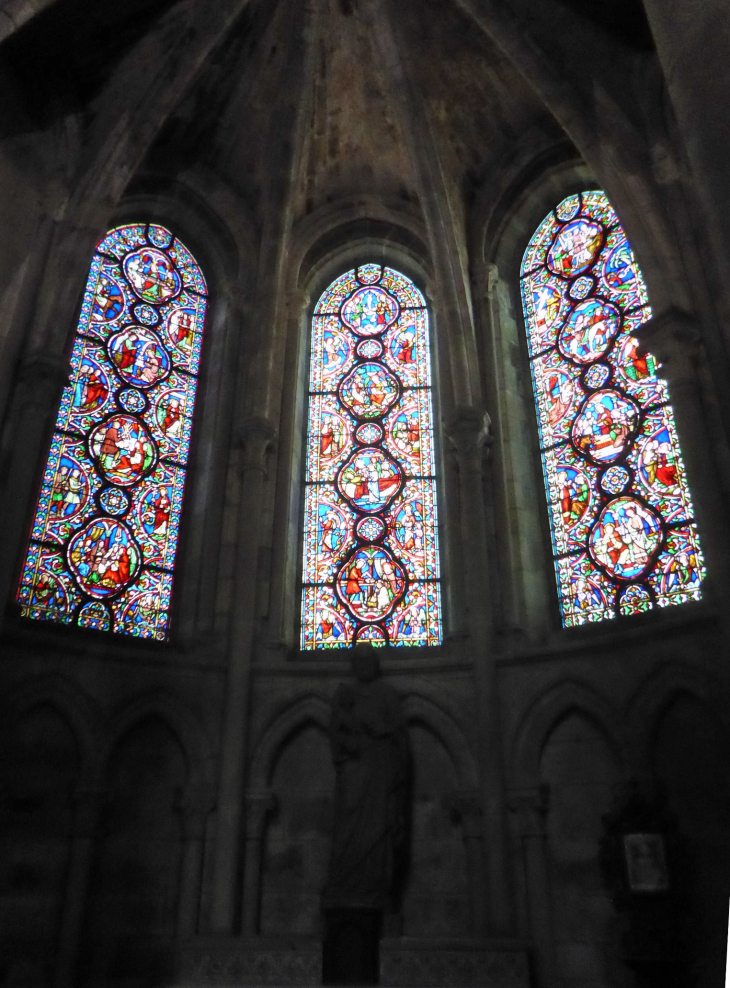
<point>406,962</point>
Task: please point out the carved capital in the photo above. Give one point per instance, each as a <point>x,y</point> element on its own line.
<point>43,376</point>
<point>194,804</point>
<point>258,806</point>
<point>468,431</point>
<point>466,806</point>
<point>673,338</point>
<point>530,807</point>
<point>295,302</point>
<point>88,804</point>
<point>256,439</point>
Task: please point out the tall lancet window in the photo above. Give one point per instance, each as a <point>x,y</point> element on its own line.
<point>620,508</point>
<point>104,538</point>
<point>371,563</point>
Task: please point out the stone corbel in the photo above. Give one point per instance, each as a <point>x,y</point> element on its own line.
<point>469,431</point>
<point>88,804</point>
<point>295,303</point>
<point>256,438</point>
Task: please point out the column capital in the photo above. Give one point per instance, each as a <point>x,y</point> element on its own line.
<point>468,431</point>
<point>87,807</point>
<point>256,438</point>
<point>530,806</point>
<point>673,338</point>
<point>295,302</point>
<point>259,805</point>
<point>467,806</point>
<point>194,804</point>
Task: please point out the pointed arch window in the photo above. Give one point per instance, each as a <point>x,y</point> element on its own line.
<point>371,561</point>
<point>621,516</point>
<point>105,533</point>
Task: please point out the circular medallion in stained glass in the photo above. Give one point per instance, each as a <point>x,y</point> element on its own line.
<point>596,376</point>
<point>104,557</point>
<point>581,287</point>
<point>370,583</point>
<point>132,400</point>
<point>619,268</point>
<point>369,480</point>
<point>114,501</point>
<point>370,529</point>
<point>625,538</point>
<point>139,356</point>
<point>370,349</point>
<point>94,615</point>
<point>605,426</point>
<point>575,248</point>
<point>124,449</point>
<point>615,480</point>
<point>108,301</point>
<point>370,310</point>
<point>635,600</point>
<point>152,275</point>
<point>146,314</point>
<point>369,433</point>
<point>589,330</point>
<point>369,390</point>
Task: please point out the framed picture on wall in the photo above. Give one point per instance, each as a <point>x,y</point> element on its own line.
<point>646,862</point>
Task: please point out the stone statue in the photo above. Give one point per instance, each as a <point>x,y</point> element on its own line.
<point>370,751</point>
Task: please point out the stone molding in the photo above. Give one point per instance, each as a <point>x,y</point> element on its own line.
<point>530,807</point>
<point>673,338</point>
<point>251,963</point>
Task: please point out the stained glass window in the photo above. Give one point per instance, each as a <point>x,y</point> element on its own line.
<point>104,538</point>
<point>371,562</point>
<point>621,515</point>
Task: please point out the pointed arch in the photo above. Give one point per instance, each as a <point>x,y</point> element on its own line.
<point>371,559</point>
<point>104,538</point>
<point>621,514</point>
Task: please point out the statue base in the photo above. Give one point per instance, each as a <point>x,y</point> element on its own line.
<point>405,962</point>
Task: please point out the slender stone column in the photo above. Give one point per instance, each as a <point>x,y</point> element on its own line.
<point>468,808</point>
<point>468,432</point>
<point>194,804</point>
<point>88,804</point>
<point>530,807</point>
<point>40,382</point>
<point>257,439</point>
<point>674,340</point>
<point>258,807</point>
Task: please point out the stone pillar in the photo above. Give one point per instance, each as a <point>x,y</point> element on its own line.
<point>530,807</point>
<point>40,382</point>
<point>468,808</point>
<point>673,338</point>
<point>257,439</point>
<point>88,804</point>
<point>468,432</point>
<point>194,805</point>
<point>258,807</point>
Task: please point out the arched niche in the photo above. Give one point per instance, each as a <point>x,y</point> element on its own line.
<point>134,885</point>
<point>40,764</point>
<point>578,765</point>
<point>297,838</point>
